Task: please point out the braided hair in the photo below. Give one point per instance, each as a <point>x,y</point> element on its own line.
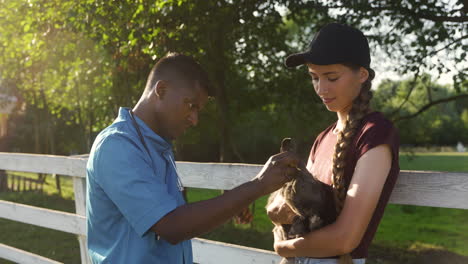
<point>359,109</point>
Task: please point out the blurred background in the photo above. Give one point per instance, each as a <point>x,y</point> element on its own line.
<point>67,66</point>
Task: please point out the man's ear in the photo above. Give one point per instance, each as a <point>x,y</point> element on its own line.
<point>160,89</point>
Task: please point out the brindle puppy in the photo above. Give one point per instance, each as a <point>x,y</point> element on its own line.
<point>309,198</point>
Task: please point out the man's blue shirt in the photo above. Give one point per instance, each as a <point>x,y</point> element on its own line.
<point>128,192</point>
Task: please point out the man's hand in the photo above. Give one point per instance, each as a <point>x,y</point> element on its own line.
<point>278,170</point>
<point>279,211</point>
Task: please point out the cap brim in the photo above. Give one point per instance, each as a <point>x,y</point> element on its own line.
<point>296,59</point>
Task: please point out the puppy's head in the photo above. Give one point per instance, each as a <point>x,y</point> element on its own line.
<point>288,144</point>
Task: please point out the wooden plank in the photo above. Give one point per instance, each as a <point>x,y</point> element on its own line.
<point>423,188</point>
<point>441,189</point>
<point>43,164</point>
<point>47,218</point>
<point>79,188</point>
<point>3,181</point>
<point>213,252</point>
<point>429,188</point>
<point>24,184</point>
<point>223,176</point>
<point>21,256</point>
<point>13,183</point>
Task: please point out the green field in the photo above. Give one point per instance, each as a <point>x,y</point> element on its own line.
<point>407,234</point>
<point>431,161</point>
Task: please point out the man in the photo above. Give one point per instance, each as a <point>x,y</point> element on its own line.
<point>135,208</point>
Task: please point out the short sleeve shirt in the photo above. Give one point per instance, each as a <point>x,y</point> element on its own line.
<point>373,131</point>
<point>128,191</point>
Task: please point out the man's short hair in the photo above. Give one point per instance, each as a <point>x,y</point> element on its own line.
<point>181,67</point>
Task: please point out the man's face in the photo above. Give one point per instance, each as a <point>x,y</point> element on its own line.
<point>180,106</point>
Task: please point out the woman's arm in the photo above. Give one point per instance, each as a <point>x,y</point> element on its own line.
<point>362,197</point>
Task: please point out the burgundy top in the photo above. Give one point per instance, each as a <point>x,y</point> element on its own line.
<point>374,130</point>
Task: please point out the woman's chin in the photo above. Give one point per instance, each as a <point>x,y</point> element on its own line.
<point>331,108</point>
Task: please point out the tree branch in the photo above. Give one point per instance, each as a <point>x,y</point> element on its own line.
<point>448,45</point>
<point>458,19</point>
<point>412,85</point>
<point>429,93</point>
<point>427,106</point>
<point>427,16</point>
<point>435,18</point>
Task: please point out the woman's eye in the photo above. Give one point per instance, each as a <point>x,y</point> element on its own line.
<point>332,80</point>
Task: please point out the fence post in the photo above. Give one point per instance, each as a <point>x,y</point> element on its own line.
<point>79,187</point>
<point>3,181</point>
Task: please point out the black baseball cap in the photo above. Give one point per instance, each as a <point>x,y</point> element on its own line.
<point>334,43</point>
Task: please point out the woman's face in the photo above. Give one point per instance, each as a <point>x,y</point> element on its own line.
<point>337,85</point>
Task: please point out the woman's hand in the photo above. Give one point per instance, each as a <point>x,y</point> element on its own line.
<point>279,211</point>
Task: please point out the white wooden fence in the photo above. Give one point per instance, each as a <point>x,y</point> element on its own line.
<point>423,188</point>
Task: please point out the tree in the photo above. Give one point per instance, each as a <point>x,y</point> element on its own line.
<point>414,35</point>
<point>432,125</point>
<point>241,44</point>
<point>75,62</point>
<point>54,69</point>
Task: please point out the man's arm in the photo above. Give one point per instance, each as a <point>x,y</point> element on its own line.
<point>190,220</point>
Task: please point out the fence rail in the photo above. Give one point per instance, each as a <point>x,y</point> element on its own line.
<point>422,188</point>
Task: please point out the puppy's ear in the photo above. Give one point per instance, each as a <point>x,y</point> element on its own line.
<point>288,144</point>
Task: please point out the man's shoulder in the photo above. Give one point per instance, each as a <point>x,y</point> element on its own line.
<point>117,132</point>
<point>116,138</point>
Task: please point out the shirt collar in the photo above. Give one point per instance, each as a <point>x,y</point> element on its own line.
<point>159,142</point>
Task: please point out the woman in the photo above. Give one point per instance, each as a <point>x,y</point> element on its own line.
<point>357,155</point>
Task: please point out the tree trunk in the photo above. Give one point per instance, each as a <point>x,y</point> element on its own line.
<point>80,117</point>
<point>216,53</point>
<point>57,183</point>
<point>36,123</point>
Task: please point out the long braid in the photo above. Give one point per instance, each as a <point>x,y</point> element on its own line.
<point>359,109</point>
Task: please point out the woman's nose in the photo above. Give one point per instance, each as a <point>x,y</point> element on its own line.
<point>321,88</point>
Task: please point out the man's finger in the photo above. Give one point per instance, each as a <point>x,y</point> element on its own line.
<point>288,158</point>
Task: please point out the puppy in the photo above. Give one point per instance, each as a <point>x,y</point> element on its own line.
<point>309,198</point>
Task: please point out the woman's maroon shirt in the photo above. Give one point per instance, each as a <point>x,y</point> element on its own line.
<point>373,131</point>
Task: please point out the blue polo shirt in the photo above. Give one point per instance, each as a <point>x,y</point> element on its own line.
<point>128,192</point>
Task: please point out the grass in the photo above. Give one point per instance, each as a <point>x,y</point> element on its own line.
<point>407,234</point>
<point>49,243</point>
<point>432,161</point>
